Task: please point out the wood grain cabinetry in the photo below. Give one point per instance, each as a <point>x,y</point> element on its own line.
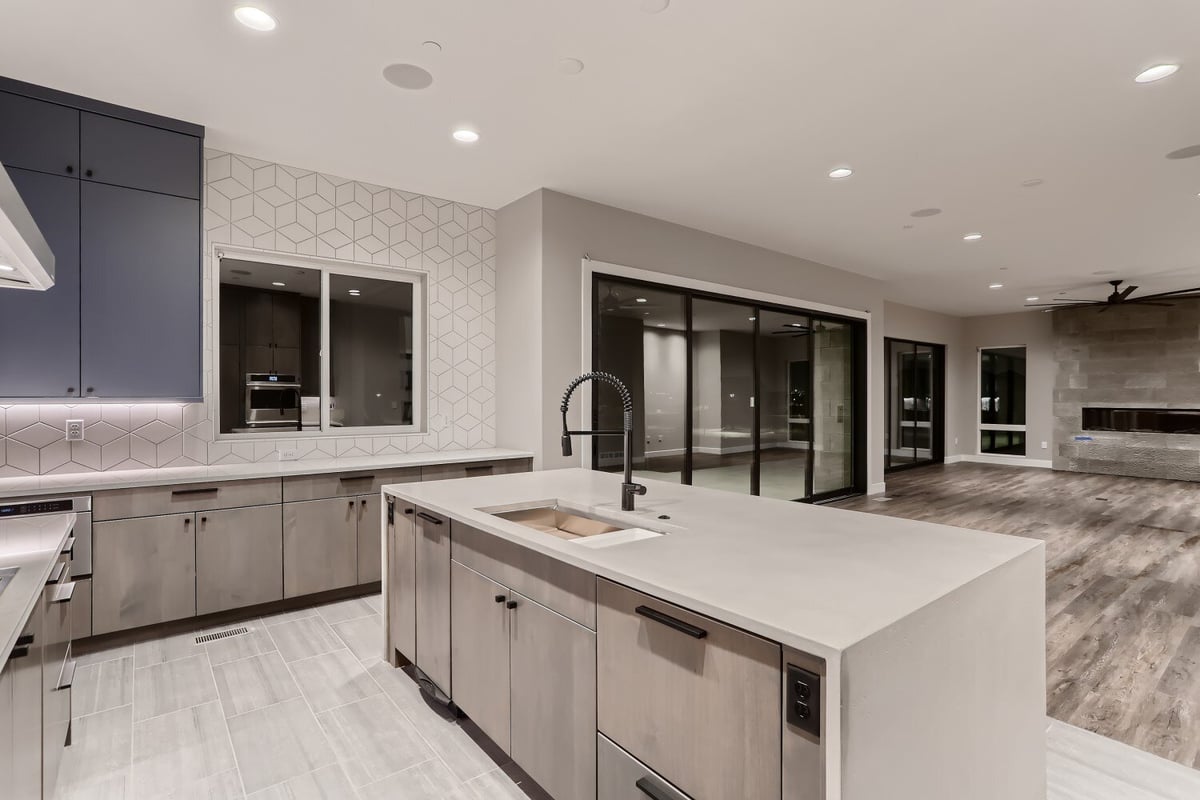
<point>479,625</point>
<point>402,580</point>
<point>666,674</point>
<point>25,664</point>
<point>432,565</point>
<point>320,545</point>
<point>239,558</point>
<point>620,776</point>
<point>6,719</point>
<point>143,571</point>
<point>370,539</point>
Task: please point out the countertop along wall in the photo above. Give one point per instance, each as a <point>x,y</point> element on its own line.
<point>261,204</point>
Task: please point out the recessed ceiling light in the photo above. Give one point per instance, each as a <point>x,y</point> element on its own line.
<point>408,76</point>
<point>355,292</point>
<point>7,268</point>
<point>1031,299</point>
<point>1156,73</point>
<point>641,300</point>
<point>278,283</point>
<point>1105,272</point>
<point>662,324</point>
<point>254,18</point>
<point>1033,182</point>
<point>465,135</point>
<point>752,318</point>
<point>841,172</point>
<point>995,285</point>
<point>926,212</point>
<point>972,237</point>
<point>655,6</point>
<point>795,325</point>
<point>570,66</point>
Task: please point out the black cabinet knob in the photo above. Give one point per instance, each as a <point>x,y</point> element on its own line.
<point>511,604</point>
<point>88,173</point>
<point>70,169</point>
<point>70,390</point>
<point>91,390</point>
<point>500,598</point>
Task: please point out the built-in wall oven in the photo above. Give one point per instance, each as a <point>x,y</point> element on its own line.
<point>272,401</point>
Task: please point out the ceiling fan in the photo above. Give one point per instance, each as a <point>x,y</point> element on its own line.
<point>1119,297</point>
<point>612,302</point>
<point>794,329</point>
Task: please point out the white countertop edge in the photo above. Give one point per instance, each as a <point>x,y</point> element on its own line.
<point>75,482</point>
<point>50,557</point>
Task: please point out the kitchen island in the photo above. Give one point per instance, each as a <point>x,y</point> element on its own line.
<point>713,645</point>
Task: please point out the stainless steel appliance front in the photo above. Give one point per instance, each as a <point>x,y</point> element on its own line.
<point>272,401</point>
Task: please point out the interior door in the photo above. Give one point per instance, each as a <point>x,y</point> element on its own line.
<point>785,423</point>
<point>833,407</point>
<point>724,434</point>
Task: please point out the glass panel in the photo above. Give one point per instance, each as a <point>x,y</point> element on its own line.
<point>641,337</point>
<point>785,407</point>
<point>833,406</point>
<point>371,352</point>
<point>918,403</point>
<point>722,395</point>
<point>1002,386</point>
<point>1007,443</point>
<point>269,339</point>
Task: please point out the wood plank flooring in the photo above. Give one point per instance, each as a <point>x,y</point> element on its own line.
<point>1122,587</point>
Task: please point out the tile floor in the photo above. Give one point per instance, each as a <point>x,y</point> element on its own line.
<point>302,706</point>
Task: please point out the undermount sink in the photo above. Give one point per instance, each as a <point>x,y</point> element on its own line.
<point>554,519</point>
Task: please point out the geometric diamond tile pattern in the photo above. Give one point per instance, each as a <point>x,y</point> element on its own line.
<point>289,210</point>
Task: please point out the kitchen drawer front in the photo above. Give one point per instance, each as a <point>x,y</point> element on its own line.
<point>81,609</point>
<point>475,469</point>
<point>150,501</point>
<point>620,776</point>
<point>563,588</point>
<point>345,484</point>
<point>696,700</point>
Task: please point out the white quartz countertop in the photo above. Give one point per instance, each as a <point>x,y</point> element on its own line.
<point>32,545</point>
<point>130,478</point>
<point>815,578</point>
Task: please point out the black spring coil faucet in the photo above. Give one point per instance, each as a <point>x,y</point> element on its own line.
<point>628,487</point>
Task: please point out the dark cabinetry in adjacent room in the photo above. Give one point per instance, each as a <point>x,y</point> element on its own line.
<point>116,193</point>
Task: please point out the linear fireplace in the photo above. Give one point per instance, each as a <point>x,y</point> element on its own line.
<point>1142,420</point>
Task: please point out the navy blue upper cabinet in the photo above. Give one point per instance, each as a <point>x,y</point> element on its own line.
<point>139,156</point>
<point>38,135</point>
<point>141,312</point>
<point>116,193</point>
<point>39,331</point>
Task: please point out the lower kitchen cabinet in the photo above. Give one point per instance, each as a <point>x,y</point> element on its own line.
<point>320,545</point>
<point>479,639</point>
<point>620,776</point>
<point>25,664</point>
<point>402,579</point>
<point>239,558</point>
<point>6,719</point>
<point>370,539</point>
<point>432,559</point>
<point>144,571</point>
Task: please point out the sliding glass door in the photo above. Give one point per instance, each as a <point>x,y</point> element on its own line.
<point>730,394</point>
<point>914,433</point>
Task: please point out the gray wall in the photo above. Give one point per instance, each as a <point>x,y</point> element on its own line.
<point>1133,357</point>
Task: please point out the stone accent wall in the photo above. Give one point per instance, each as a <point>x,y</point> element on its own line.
<point>1130,357</point>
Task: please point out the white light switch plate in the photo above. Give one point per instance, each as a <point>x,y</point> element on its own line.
<point>74,432</point>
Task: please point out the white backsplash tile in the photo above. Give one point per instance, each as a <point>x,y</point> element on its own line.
<point>275,207</point>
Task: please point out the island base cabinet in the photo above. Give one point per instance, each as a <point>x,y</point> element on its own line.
<point>620,776</point>
<point>239,558</point>
<point>479,629</point>
<point>402,581</point>
<point>320,545</point>
<point>144,572</point>
<point>696,700</point>
<point>25,665</point>
<point>553,678</point>
<point>370,558</point>
<point>6,719</point>
<point>433,598</point>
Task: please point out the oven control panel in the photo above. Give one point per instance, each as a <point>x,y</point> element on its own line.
<point>36,507</point>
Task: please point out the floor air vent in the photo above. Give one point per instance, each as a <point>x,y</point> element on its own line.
<point>212,637</point>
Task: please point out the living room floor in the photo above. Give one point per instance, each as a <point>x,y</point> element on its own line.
<point>1122,587</point>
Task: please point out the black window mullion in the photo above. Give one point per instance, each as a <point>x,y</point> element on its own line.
<point>686,477</point>
<point>756,389</point>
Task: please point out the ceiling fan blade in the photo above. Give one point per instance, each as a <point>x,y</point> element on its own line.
<point>1150,303</point>
<point>1173,294</point>
<point>1128,290</point>
<point>1057,306</point>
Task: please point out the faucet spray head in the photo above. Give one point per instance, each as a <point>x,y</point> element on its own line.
<point>566,446</point>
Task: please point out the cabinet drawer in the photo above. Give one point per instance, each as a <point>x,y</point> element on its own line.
<point>560,587</point>
<point>138,156</point>
<point>474,469</point>
<point>152,501</point>
<point>39,135</point>
<point>696,700</point>
<point>345,484</point>
<point>81,609</point>
<point>621,776</point>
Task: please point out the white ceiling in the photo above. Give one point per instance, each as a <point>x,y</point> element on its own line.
<point>721,115</point>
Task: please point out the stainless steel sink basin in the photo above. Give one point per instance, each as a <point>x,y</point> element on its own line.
<point>6,576</point>
<point>556,521</point>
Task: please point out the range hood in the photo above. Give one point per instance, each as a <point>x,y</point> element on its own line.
<point>25,259</point>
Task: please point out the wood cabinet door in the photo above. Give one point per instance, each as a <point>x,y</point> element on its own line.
<point>39,135</point>
<point>239,558</point>
<point>46,324</point>
<point>6,718</point>
<point>144,571</point>
<point>553,678</point>
<point>123,153</point>
<point>479,651</point>
<point>285,321</point>
<point>370,538</point>
<point>402,580</point>
<point>25,782</point>
<point>433,598</point>
<point>320,545</point>
<point>140,279</point>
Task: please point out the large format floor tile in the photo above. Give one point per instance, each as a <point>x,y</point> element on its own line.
<point>254,682</point>
<point>101,686</point>
<point>369,745</point>
<point>304,637</point>
<point>170,686</point>
<point>279,742</point>
<point>333,679</point>
<point>179,749</point>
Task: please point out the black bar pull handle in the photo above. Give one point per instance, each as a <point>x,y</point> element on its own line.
<point>356,478</point>
<point>429,518</point>
<point>671,622</point>
<point>500,598</point>
<point>651,790</point>
<point>510,605</point>
<point>25,641</point>
<point>185,492</point>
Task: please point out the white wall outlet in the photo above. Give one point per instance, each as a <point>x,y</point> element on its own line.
<point>956,440</point>
<point>289,454</point>
<point>1045,445</point>
<point>74,430</point>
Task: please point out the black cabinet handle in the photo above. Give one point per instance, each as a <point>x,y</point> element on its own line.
<point>500,598</point>
<point>70,169</point>
<point>187,522</point>
<point>363,502</point>
<point>357,478</point>
<point>25,641</point>
<point>185,492</point>
<point>671,622</point>
<point>648,788</point>
<point>204,520</point>
<point>429,518</point>
<point>88,173</point>
<point>91,390</point>
<point>71,390</point>
<point>18,652</point>
<point>408,511</point>
<point>511,604</point>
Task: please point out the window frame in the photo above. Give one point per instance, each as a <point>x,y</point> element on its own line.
<point>980,425</point>
<point>418,279</point>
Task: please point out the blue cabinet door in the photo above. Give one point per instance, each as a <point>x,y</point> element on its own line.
<point>39,331</point>
<point>140,278</point>
<point>137,156</point>
<point>38,135</point>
